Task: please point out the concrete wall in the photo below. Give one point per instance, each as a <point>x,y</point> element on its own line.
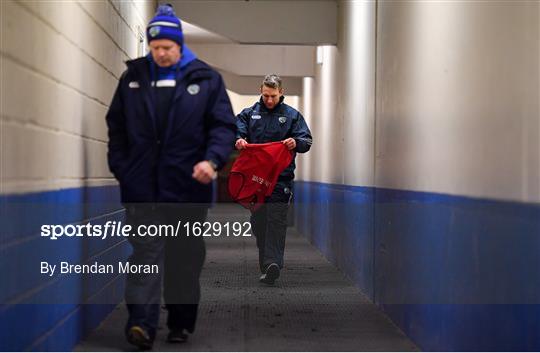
<point>423,181</point>
<point>60,62</point>
<point>60,66</point>
<point>457,99</point>
<point>446,99</point>
<point>338,104</point>
<point>258,60</point>
<point>339,101</point>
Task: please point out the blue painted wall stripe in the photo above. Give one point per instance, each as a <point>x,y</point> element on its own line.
<point>40,313</point>
<point>454,272</point>
<point>327,209</point>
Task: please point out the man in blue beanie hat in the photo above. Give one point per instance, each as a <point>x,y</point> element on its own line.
<point>171,127</point>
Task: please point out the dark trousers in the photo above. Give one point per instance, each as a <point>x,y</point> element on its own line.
<point>180,260</point>
<point>269,225</point>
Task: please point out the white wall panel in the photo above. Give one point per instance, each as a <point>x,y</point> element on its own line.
<point>330,124</point>
<point>49,104</point>
<point>258,60</point>
<point>457,99</point>
<point>70,20</point>
<point>325,124</point>
<point>304,161</point>
<point>239,101</point>
<point>342,116</point>
<point>357,90</point>
<point>60,62</point>
<point>107,16</point>
<point>38,153</point>
<point>52,54</point>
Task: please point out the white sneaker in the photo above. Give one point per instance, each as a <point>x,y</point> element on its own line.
<point>271,274</point>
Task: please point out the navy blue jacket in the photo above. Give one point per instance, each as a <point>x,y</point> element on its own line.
<point>258,124</point>
<point>200,127</point>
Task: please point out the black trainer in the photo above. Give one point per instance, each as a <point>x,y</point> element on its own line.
<point>271,274</point>
<point>138,337</point>
<point>177,336</point>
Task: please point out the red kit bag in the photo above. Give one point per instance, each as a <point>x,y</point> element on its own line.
<point>255,172</point>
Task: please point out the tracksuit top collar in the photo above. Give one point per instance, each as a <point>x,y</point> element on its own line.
<point>263,106</point>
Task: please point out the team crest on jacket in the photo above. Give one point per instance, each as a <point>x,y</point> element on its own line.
<point>282,119</point>
<point>154,31</point>
<point>193,89</point>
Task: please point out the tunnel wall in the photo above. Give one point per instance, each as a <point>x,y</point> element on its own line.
<point>59,67</point>
<point>423,183</point>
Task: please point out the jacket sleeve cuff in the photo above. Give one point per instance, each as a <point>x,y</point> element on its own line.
<point>214,161</point>
<point>302,145</point>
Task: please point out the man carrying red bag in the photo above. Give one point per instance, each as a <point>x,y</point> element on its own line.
<point>271,120</point>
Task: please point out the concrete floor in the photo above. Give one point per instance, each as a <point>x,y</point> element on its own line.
<point>312,307</point>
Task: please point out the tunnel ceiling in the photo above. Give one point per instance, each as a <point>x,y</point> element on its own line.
<point>300,22</point>
<point>248,39</point>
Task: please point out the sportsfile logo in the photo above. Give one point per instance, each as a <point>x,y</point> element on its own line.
<point>117,229</point>
<point>260,180</point>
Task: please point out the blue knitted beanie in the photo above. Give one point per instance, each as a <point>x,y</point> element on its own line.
<point>165,25</point>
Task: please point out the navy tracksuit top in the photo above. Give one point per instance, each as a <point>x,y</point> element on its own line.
<point>152,150</point>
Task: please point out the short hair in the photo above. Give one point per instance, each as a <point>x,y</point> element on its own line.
<point>272,81</point>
